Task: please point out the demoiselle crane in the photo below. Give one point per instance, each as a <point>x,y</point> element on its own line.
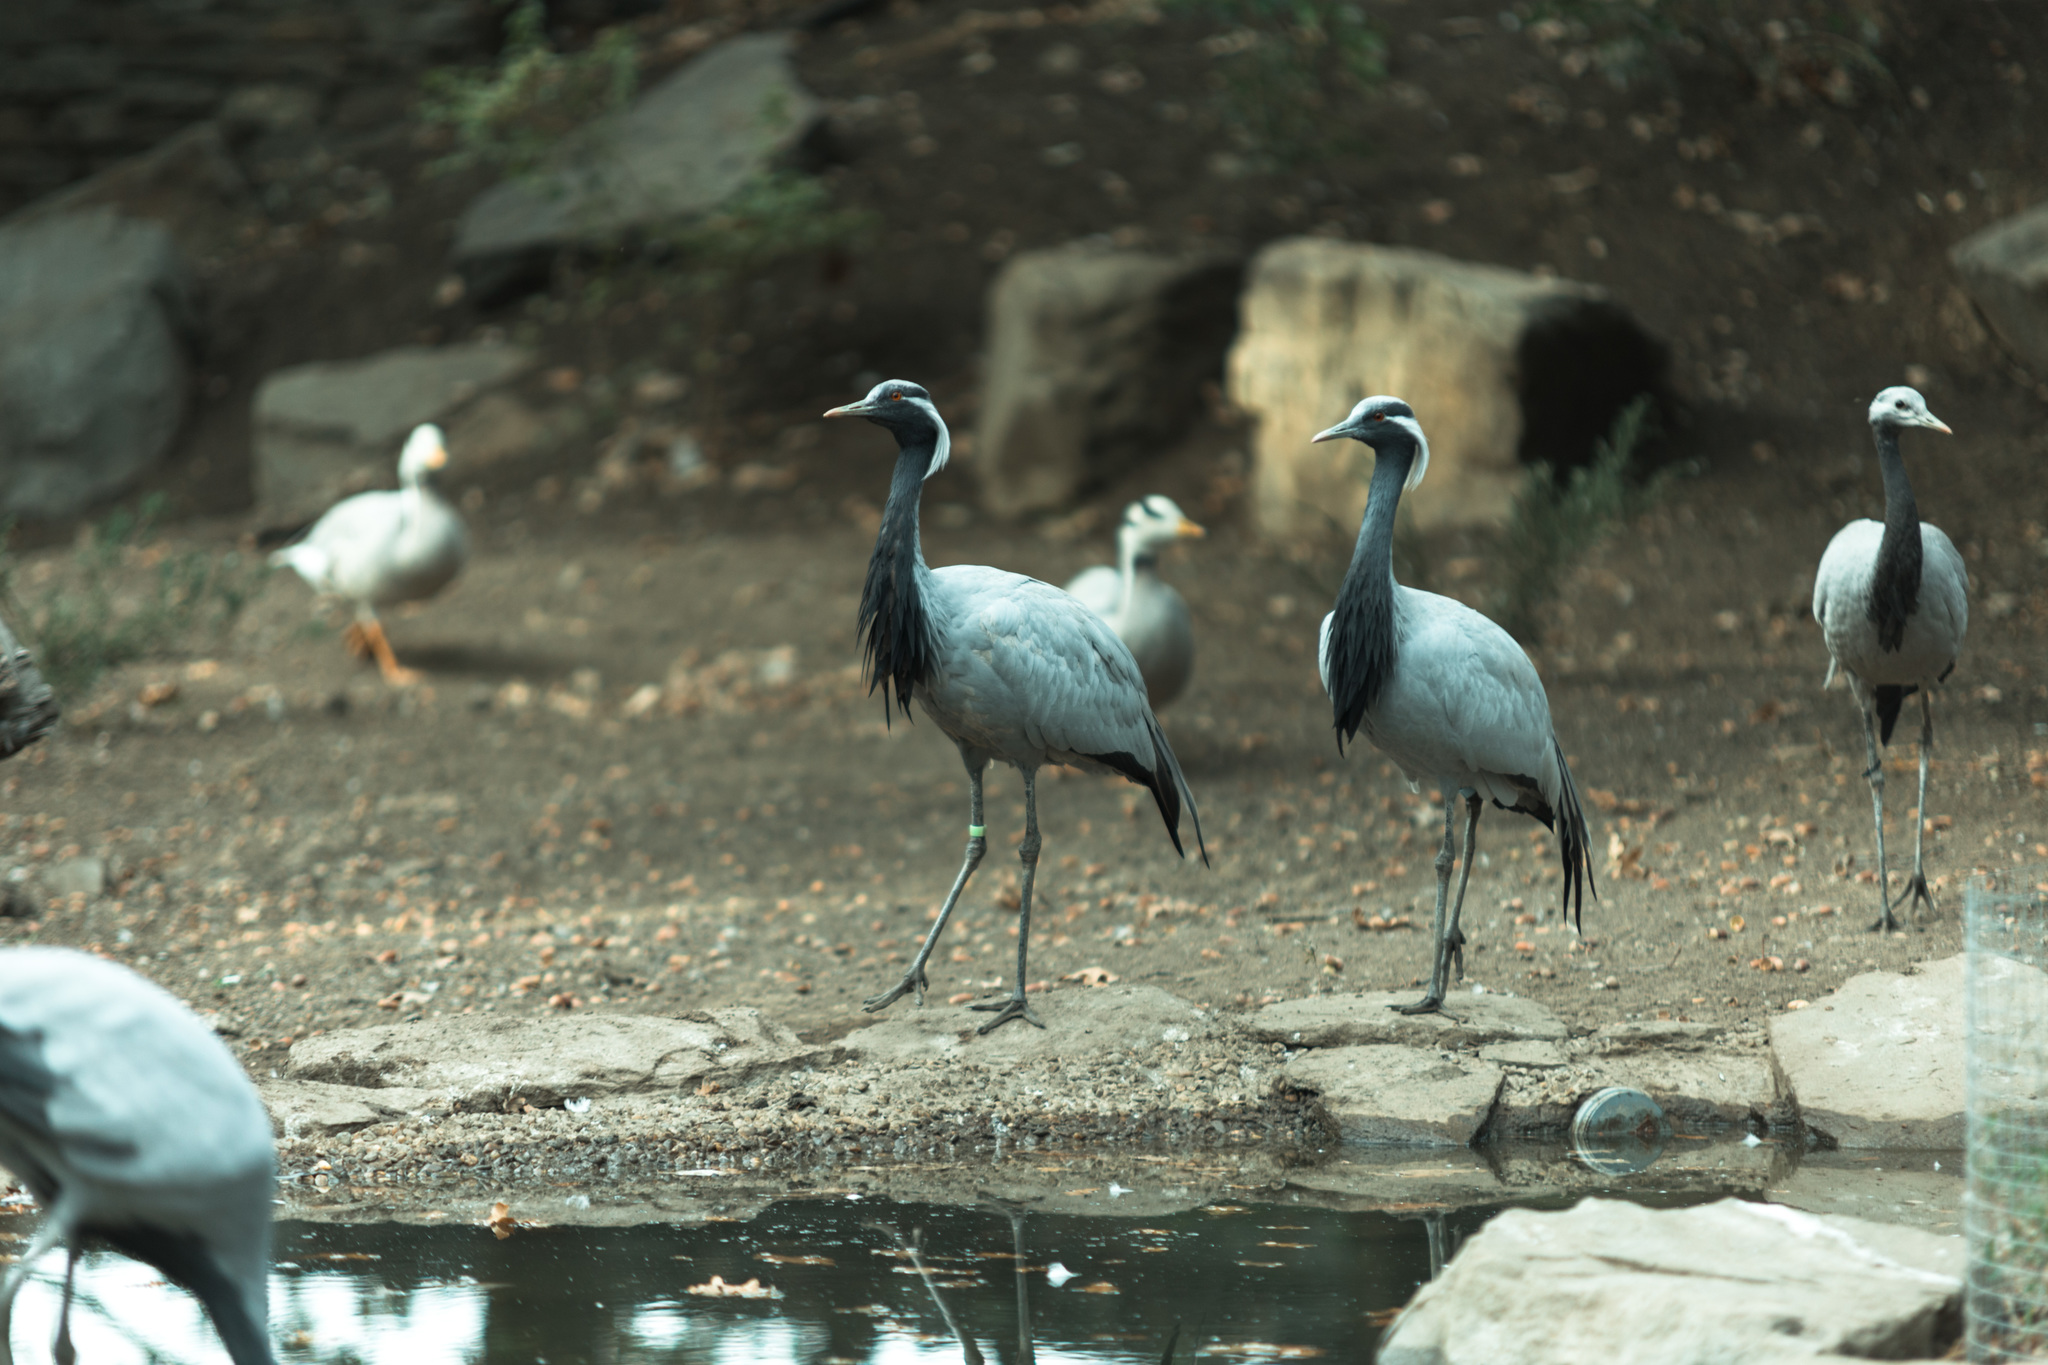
<point>1441,690</point>
<point>1143,609</point>
<point>382,548</point>
<point>1012,670</point>
<point>134,1127</point>
<point>1893,601</point>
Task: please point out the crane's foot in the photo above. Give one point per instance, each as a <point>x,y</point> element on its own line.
<point>1886,923</point>
<point>912,982</point>
<point>1910,899</point>
<point>1433,1003</point>
<point>1457,939</point>
<point>1013,1008</point>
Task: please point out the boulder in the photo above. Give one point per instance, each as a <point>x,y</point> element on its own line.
<point>2005,268</point>
<point>480,1061</point>
<point>1728,1283</point>
<point>302,1109</point>
<point>1880,1062</point>
<point>680,149</point>
<point>189,184</point>
<point>332,428</point>
<point>1399,1094</point>
<point>1096,359</point>
<point>1502,368</point>
<point>94,310</point>
<point>1466,1020</point>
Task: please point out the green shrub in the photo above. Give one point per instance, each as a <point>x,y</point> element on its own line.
<point>121,599</point>
<point>1555,522</point>
<point>1288,68</point>
<point>511,116</point>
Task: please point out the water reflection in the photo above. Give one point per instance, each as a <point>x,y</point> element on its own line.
<point>841,1279</point>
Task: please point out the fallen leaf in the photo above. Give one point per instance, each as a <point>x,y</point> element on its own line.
<point>774,1259</point>
<point>717,1288</point>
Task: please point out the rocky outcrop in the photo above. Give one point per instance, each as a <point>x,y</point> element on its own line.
<point>94,369</point>
<point>333,428</point>
<point>1502,368</point>
<point>681,148</point>
<point>488,1063</point>
<point>1096,359</point>
<point>1347,1020</point>
<point>1389,1094</point>
<point>2006,270</point>
<point>1726,1283</point>
<point>1880,1062</point>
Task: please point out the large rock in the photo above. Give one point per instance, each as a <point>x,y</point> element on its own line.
<point>1466,1020</point>
<point>302,1109</point>
<point>190,184</point>
<point>1501,368</point>
<point>332,428</point>
<point>479,1061</point>
<point>1730,1283</point>
<point>1880,1062</point>
<point>1399,1094</point>
<point>1096,359</point>
<point>678,150</point>
<point>2005,268</point>
<point>93,367</point>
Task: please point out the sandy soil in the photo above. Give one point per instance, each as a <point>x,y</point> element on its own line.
<point>642,774</point>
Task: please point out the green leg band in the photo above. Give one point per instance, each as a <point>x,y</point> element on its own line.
<point>976,831</point>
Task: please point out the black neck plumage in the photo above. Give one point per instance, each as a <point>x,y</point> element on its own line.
<point>1363,645</point>
<point>185,1260</point>
<point>1895,580</point>
<point>895,629</point>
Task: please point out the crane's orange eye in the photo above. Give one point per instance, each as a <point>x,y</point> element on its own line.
<point>896,398</point>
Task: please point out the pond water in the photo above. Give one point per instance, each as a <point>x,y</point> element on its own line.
<point>839,1277</point>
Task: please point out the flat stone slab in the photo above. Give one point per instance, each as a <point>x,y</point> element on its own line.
<point>1469,1020</point>
<point>300,1109</point>
<point>1536,1055</point>
<point>1917,1189</point>
<point>1880,1062</point>
<point>479,1061</point>
<point>1653,1035</point>
<point>332,428</point>
<point>1078,1023</point>
<point>1729,1283</point>
<point>1384,1093</point>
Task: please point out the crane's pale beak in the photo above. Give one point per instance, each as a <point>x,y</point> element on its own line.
<point>1187,530</point>
<point>1336,433</point>
<point>1934,423</point>
<point>859,409</point>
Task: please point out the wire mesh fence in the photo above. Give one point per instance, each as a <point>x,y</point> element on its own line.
<point>2005,1212</point>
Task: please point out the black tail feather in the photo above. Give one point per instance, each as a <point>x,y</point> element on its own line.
<point>1168,787</point>
<point>1889,700</point>
<point>1574,845</point>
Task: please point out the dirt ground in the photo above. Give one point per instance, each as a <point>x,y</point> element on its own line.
<point>642,775</point>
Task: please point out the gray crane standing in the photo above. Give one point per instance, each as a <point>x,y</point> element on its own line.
<point>1441,690</point>
<point>1012,670</point>
<point>1893,601</point>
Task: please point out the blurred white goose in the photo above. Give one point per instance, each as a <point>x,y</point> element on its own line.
<point>1141,606</point>
<point>379,549</point>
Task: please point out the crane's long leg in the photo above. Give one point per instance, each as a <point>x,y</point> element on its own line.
<point>1454,937</point>
<point>64,1352</point>
<point>1438,940</point>
<point>1916,889</point>
<point>977,845</point>
<point>47,1236</point>
<point>1027,852</point>
<point>1885,923</point>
